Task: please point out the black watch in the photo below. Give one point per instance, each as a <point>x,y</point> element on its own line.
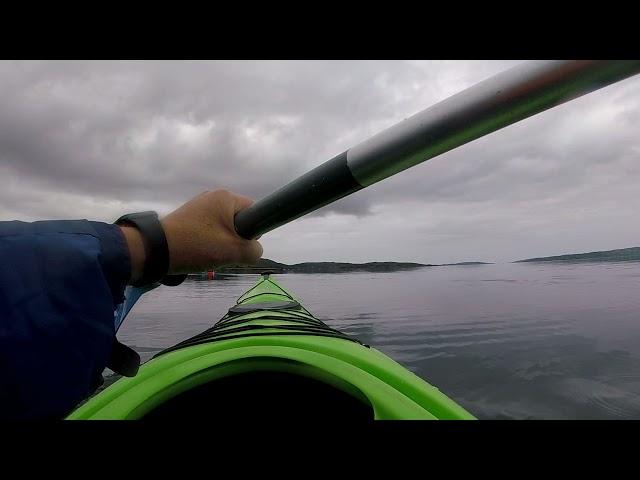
<point>156,263</point>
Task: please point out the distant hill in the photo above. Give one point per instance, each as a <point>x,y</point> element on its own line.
<point>620,255</point>
<point>463,263</point>
<point>321,267</point>
<point>263,264</point>
<point>331,267</point>
<point>336,267</point>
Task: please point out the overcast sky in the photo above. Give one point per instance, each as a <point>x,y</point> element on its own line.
<point>98,139</point>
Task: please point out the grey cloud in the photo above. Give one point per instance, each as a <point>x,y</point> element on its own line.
<point>115,127</point>
<point>80,139</point>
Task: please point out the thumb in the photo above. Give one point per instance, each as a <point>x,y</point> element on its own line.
<point>250,251</point>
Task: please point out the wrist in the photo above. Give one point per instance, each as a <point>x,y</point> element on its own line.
<point>137,253</point>
<point>175,245</point>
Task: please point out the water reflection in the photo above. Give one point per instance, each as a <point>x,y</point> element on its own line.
<point>505,341</point>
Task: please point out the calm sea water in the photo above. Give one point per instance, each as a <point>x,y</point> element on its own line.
<point>549,341</point>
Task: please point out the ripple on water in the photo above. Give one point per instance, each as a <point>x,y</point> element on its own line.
<point>605,400</point>
<point>486,333</point>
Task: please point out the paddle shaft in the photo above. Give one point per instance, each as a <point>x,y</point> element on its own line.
<point>495,103</point>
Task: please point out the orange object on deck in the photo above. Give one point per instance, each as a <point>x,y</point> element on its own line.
<point>210,275</point>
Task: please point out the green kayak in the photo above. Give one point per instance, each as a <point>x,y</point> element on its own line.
<point>269,357</point>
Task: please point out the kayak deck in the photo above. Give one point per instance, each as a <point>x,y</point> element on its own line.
<point>269,357</point>
<point>266,309</point>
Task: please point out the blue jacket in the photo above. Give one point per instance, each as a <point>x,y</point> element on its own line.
<point>60,282</point>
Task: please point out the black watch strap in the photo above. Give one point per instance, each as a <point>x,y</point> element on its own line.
<point>156,263</point>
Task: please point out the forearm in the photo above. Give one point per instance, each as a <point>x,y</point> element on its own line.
<point>199,235</point>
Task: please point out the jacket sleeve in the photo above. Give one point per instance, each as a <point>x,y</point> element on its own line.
<point>60,282</point>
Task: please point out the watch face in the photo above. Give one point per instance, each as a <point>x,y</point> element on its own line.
<point>143,215</point>
<point>137,216</point>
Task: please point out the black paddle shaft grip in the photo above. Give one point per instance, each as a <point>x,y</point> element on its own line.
<point>321,186</point>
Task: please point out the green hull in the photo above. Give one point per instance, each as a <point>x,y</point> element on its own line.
<point>269,350</point>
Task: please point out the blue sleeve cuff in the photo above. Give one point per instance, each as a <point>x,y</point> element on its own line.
<point>115,258</point>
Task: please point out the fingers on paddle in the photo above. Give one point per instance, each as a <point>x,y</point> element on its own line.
<point>241,203</point>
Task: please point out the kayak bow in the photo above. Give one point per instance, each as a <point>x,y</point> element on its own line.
<point>269,357</point>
